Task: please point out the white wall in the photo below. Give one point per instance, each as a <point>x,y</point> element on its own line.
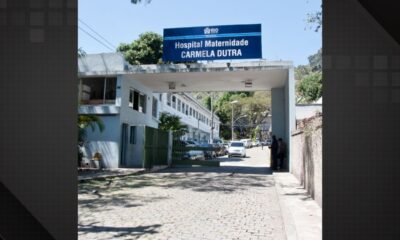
<point>191,121</point>
<point>130,116</point>
<point>278,112</point>
<point>106,142</point>
<point>307,110</point>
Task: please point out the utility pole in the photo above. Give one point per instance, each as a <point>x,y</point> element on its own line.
<point>233,102</point>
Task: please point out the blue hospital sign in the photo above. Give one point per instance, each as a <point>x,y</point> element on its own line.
<point>212,43</point>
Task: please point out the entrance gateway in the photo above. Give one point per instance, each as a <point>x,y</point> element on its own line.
<point>255,75</point>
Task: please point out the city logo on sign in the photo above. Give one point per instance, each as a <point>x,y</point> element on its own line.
<point>208,30</point>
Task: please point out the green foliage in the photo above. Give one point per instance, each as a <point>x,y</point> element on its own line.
<point>85,121</point>
<point>309,79</point>
<point>301,71</point>
<point>139,1</point>
<point>255,105</point>
<point>145,50</point>
<point>207,102</point>
<point>310,87</point>
<point>314,20</point>
<point>172,122</point>
<point>315,61</point>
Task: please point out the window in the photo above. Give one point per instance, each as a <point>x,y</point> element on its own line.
<point>169,99</point>
<point>142,103</point>
<point>179,105</point>
<point>190,112</point>
<point>132,137</point>
<point>174,102</point>
<point>154,107</point>
<point>160,97</point>
<point>137,101</point>
<point>98,90</point>
<point>183,107</point>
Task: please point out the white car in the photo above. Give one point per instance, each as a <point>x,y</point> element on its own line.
<point>236,149</point>
<point>247,143</point>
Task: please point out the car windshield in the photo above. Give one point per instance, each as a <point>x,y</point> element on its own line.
<point>236,144</point>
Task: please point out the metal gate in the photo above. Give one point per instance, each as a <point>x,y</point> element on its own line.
<point>155,147</point>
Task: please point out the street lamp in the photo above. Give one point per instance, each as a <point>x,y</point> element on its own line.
<point>234,121</point>
<point>233,102</point>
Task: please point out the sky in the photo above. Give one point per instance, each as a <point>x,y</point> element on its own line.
<point>285,34</point>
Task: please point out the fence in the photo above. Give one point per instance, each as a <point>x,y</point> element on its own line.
<point>155,147</point>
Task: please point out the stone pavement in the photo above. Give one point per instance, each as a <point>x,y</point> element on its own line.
<point>89,174</point>
<point>302,215</point>
<point>238,200</point>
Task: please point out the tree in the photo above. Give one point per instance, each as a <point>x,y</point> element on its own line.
<point>315,61</point>
<point>301,71</point>
<point>315,20</point>
<point>310,87</point>
<point>309,79</point>
<point>207,102</point>
<point>145,50</point>
<point>139,1</point>
<point>172,122</point>
<point>85,121</point>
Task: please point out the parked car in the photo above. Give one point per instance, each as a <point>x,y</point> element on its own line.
<point>226,147</point>
<point>192,154</point>
<point>192,142</point>
<point>247,143</point>
<point>256,143</point>
<point>221,150</point>
<point>237,148</point>
<point>208,153</point>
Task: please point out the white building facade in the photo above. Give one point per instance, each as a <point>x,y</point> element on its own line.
<point>198,119</point>
<point>108,90</point>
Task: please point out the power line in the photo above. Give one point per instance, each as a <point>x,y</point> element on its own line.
<point>98,34</point>
<point>95,38</point>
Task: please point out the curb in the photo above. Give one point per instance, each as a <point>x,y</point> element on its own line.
<point>288,220</point>
<point>102,178</point>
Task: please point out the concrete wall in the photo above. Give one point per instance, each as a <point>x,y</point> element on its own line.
<point>278,112</point>
<point>106,142</point>
<point>307,110</point>
<point>135,152</point>
<point>306,160</point>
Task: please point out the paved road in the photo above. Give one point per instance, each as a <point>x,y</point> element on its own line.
<point>235,201</point>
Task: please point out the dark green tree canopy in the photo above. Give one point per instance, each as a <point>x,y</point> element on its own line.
<point>172,122</point>
<point>145,50</point>
<point>310,87</point>
<point>309,79</point>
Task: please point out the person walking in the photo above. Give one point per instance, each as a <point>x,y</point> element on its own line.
<point>281,153</point>
<point>274,152</point>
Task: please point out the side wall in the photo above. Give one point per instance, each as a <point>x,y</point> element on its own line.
<point>307,110</point>
<point>306,161</point>
<point>278,112</point>
<point>106,142</point>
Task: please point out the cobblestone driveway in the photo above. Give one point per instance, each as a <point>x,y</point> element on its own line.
<point>235,201</point>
